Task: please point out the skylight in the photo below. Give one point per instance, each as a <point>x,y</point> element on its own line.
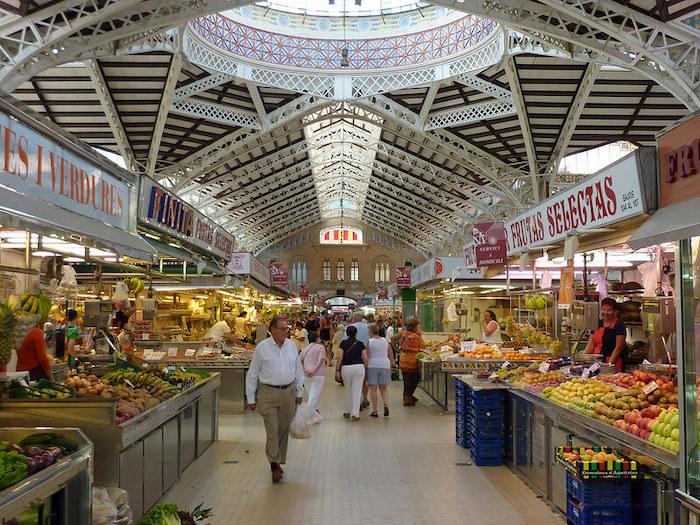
<point>339,8</point>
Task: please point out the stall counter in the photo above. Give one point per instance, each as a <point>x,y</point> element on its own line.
<point>144,455</point>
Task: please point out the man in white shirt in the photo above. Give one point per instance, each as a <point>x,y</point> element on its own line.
<point>275,383</point>
<point>221,330</point>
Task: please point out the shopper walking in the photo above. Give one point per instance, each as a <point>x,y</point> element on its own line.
<point>275,383</point>
<point>351,367</point>
<point>325,336</point>
<point>379,359</point>
<point>313,359</point>
<point>337,339</point>
<point>358,321</point>
<point>411,343</point>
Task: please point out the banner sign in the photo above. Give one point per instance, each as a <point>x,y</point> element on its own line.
<point>303,292</point>
<point>490,243</point>
<point>163,211</point>
<point>403,276</point>
<point>280,274</point>
<point>39,168</point>
<point>243,263</point>
<point>443,268</point>
<point>470,256</point>
<point>383,293</point>
<point>679,163</point>
<point>609,196</point>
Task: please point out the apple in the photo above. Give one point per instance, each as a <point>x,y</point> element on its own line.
<point>674,421</point>
<point>667,430</point>
<point>655,426</point>
<point>668,443</point>
<point>634,429</point>
<point>675,434</point>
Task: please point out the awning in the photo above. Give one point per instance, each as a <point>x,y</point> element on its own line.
<point>47,220</point>
<point>163,248</point>
<point>680,221</point>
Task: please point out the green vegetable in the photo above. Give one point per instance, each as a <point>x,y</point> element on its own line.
<point>163,514</point>
<point>13,468</point>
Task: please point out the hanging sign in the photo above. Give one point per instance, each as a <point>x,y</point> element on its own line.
<point>403,276</point>
<point>490,243</point>
<point>470,256</point>
<point>679,163</point>
<point>243,263</point>
<point>163,211</point>
<point>303,292</point>
<point>383,293</point>
<point>280,274</point>
<point>609,196</point>
<point>38,167</point>
<point>566,286</point>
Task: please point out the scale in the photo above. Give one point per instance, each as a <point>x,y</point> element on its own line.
<point>659,321</point>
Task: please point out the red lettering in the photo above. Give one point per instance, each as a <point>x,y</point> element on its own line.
<point>540,226</point>
<point>550,221</point>
<point>671,167</point>
<point>120,203</point>
<point>104,196</point>
<point>581,201</point>
<point>39,167</point>
<point>589,201</point>
<point>571,199</point>
<point>685,162</point>
<point>599,202</point>
<point>22,147</point>
<point>74,190</point>
<point>558,218</point>
<point>64,177</point>
<point>93,192</point>
<point>610,193</point>
<point>566,215</point>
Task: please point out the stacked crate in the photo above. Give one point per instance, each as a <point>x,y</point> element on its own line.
<point>598,501</point>
<point>644,505</point>
<point>485,427</point>
<point>460,413</point>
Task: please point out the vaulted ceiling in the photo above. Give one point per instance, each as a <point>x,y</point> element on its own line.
<point>420,163</point>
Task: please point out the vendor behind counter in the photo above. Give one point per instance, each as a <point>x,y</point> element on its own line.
<point>222,330</point>
<point>609,339</point>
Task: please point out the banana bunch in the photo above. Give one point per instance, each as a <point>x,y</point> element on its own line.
<point>7,326</point>
<point>36,304</point>
<point>142,380</point>
<point>135,285</point>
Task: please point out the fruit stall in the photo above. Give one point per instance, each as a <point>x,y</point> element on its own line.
<point>146,426</point>
<point>636,414</point>
<point>230,362</point>
<point>45,471</point>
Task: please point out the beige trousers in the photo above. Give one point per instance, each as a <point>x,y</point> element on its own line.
<point>277,407</point>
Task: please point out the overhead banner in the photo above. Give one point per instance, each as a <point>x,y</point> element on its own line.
<point>164,212</point>
<point>609,196</point>
<point>41,169</point>
<point>280,274</point>
<point>470,256</point>
<point>443,268</point>
<point>243,263</point>
<point>383,293</point>
<point>303,292</point>
<point>490,243</point>
<point>679,163</point>
<point>403,276</point>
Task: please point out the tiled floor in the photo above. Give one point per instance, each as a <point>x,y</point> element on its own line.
<point>396,470</point>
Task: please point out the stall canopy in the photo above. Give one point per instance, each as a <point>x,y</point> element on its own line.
<point>678,216</point>
<point>56,185</point>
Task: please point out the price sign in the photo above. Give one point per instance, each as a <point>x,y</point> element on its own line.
<point>145,336</point>
<point>467,346</point>
<point>594,367</point>
<point>505,364</point>
<point>544,367</point>
<point>586,373</point>
<point>648,389</point>
<point>525,351</point>
<point>172,351</point>
<point>190,352</point>
<point>646,362</point>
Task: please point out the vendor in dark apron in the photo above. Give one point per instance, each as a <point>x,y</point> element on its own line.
<point>32,357</point>
<point>609,339</point>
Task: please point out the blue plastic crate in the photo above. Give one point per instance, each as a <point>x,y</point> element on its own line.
<point>486,458</point>
<point>577,514</point>
<point>487,402</point>
<point>599,491</point>
<point>493,426</point>
<point>486,416</point>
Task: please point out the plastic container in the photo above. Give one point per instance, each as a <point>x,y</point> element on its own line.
<point>599,491</point>
<point>578,514</point>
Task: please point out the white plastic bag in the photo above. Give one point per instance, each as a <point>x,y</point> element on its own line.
<point>299,429</point>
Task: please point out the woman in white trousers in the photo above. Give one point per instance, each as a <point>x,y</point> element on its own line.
<point>313,360</point>
<point>352,369</point>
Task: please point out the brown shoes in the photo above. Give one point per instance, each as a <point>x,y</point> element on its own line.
<point>408,401</point>
<point>277,475</point>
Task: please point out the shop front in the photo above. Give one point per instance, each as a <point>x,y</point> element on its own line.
<point>678,221</point>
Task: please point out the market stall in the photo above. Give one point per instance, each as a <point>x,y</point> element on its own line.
<point>146,429</point>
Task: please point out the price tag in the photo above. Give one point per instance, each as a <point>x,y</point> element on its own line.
<point>648,389</point>
<point>505,364</point>
<point>129,383</point>
<point>525,351</point>
<point>183,368</point>
<point>467,346</point>
<point>145,336</point>
<point>190,352</point>
<point>594,367</point>
<point>646,362</point>
<point>586,373</point>
<point>172,352</point>
<point>544,367</point>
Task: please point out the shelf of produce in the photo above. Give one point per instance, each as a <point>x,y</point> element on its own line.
<point>71,476</point>
<point>478,385</point>
<point>647,454</point>
<point>119,449</point>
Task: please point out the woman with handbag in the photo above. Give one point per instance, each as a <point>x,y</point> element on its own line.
<point>411,343</point>
<point>351,367</point>
<point>313,360</point>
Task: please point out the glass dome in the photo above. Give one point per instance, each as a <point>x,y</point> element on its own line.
<point>340,8</point>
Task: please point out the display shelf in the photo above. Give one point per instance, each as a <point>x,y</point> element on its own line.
<point>69,479</point>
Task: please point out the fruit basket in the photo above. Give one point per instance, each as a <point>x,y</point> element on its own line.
<point>596,463</point>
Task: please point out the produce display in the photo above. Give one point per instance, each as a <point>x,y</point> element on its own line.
<point>31,455</point>
<point>536,302</point>
<point>7,327</point>
<point>596,462</point>
<point>36,304</point>
<point>482,351</point>
<point>518,356</point>
<point>135,285</point>
<point>168,514</point>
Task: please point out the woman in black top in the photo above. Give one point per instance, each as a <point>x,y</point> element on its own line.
<point>609,339</point>
<point>352,369</point>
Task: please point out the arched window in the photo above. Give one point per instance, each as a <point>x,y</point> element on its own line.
<point>326,269</point>
<point>382,271</point>
<point>354,271</point>
<point>340,235</point>
<point>340,270</point>
<point>299,272</point>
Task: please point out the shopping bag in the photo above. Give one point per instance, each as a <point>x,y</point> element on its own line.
<point>299,429</point>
